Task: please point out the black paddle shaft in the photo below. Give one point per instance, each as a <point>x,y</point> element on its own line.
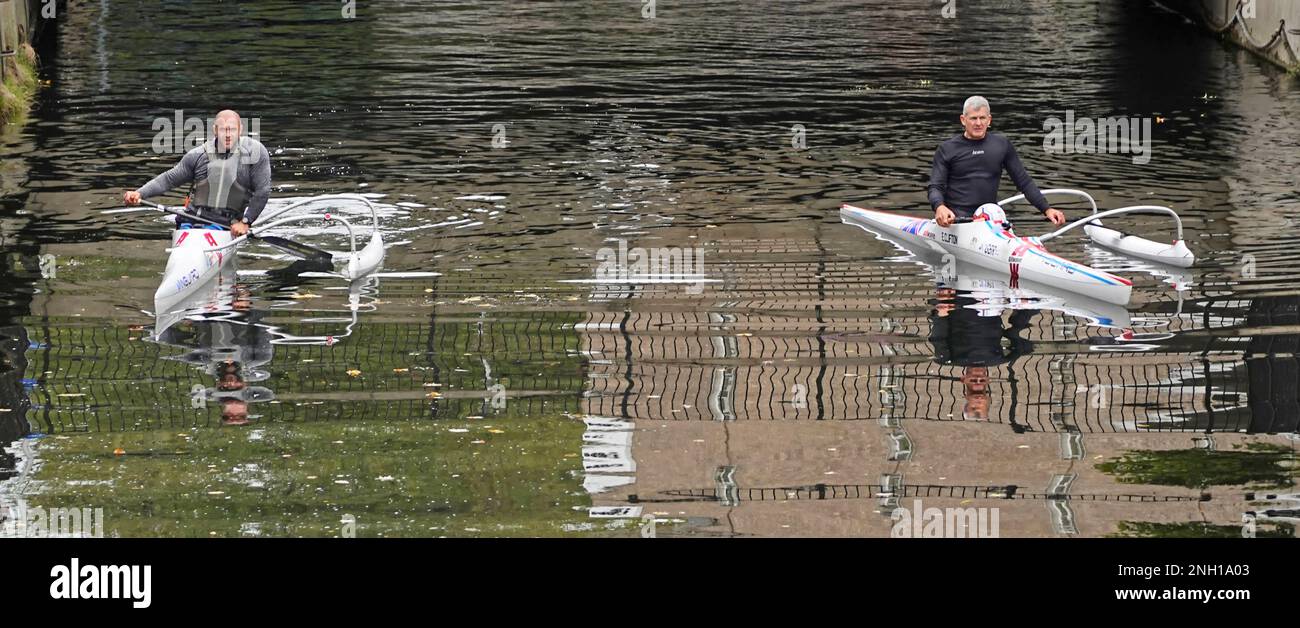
<point>295,248</point>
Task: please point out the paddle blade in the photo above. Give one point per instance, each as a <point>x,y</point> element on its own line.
<point>299,249</point>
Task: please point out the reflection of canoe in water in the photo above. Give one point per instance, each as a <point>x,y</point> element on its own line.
<point>992,288</point>
<point>214,302</point>
<point>214,296</point>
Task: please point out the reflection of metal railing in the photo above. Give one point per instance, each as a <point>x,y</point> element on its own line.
<point>1099,397</point>
<point>110,378</point>
<point>818,492</point>
<point>665,366</point>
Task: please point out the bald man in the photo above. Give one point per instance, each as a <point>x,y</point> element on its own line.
<point>229,175</point>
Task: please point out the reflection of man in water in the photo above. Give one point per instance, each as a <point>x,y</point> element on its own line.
<point>975,386</point>
<point>965,332</point>
<point>234,410</point>
<point>229,348</point>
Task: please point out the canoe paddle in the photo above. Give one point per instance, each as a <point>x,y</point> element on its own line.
<point>298,249</point>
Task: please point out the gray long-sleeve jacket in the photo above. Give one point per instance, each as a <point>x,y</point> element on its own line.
<point>239,180</point>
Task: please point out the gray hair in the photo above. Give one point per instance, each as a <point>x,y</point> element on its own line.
<point>975,102</point>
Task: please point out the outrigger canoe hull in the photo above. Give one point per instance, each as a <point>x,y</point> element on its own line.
<point>193,262</point>
<point>983,244</point>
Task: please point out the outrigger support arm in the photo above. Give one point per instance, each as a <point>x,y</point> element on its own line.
<point>374,215</point>
<point>1134,209</point>
<point>352,238</point>
<point>1060,191</point>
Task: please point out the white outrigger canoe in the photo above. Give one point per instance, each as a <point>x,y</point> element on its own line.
<point>993,292</point>
<point>198,254</point>
<point>984,244</point>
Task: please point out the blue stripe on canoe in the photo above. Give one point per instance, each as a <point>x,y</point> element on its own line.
<point>1058,260</point>
<point>1077,268</point>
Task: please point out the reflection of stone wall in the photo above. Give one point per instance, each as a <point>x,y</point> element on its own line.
<point>695,417</point>
<point>1273,367</point>
<point>829,478</point>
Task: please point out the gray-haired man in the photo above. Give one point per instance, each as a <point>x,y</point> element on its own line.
<point>968,167</point>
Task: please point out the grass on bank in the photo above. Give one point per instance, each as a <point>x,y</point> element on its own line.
<point>18,89</point>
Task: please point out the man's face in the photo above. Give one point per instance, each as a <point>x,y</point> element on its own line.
<point>227,132</point>
<point>976,122</point>
<point>234,412</point>
<point>946,301</point>
<point>976,380</point>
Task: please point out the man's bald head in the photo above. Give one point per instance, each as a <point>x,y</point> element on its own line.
<point>226,128</point>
